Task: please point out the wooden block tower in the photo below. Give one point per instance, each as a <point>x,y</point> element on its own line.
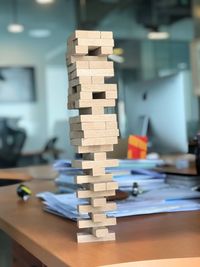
<point>93,132</point>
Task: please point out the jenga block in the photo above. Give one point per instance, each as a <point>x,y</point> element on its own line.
<point>93,111</point>
<point>95,156</point>
<point>77,50</point>
<point>112,185</point>
<point>98,202</point>
<point>100,64</point>
<point>81,95</point>
<point>89,164</point>
<point>94,133</point>
<point>96,171</point>
<point>103,186</point>
<point>111,95</point>
<point>98,187</point>
<point>71,59</point>
<point>80,80</point>
<point>87,223</point>
<point>96,87</point>
<point>95,141</point>
<point>100,232</point>
<point>91,72</point>
<point>97,80</point>
<point>87,126</point>
<point>103,51</point>
<point>82,179</point>
<point>78,104</point>
<point>79,65</point>
<point>111,125</point>
<point>94,102</point>
<point>85,34</point>
<point>93,118</point>
<point>94,43</point>
<point>89,193</point>
<point>93,149</point>
<point>106,34</point>
<point>85,238</point>
<point>98,217</point>
<point>89,208</point>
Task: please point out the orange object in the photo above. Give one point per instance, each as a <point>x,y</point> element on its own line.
<point>137,147</point>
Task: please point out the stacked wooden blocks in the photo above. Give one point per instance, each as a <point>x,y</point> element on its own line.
<point>93,132</point>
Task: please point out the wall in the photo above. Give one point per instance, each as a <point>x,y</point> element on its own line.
<point>33,115</point>
<point>57,112</point>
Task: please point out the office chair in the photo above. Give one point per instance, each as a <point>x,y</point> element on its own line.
<point>11,144</point>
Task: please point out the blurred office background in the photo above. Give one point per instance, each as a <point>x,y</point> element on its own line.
<point>154,40</point>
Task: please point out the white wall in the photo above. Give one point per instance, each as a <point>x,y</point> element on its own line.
<point>33,115</point>
<point>57,112</point>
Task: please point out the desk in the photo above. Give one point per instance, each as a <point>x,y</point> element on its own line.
<point>52,239</point>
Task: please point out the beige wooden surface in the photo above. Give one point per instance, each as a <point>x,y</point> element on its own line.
<point>27,173</point>
<point>183,262</point>
<point>53,239</point>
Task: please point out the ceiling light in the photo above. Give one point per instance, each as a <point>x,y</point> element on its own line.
<point>44,1</point>
<point>156,35</point>
<point>15,28</point>
<point>40,33</point>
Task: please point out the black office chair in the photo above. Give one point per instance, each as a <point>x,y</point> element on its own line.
<point>49,151</point>
<point>11,144</point>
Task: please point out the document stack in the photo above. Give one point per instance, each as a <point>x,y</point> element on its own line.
<point>93,132</point>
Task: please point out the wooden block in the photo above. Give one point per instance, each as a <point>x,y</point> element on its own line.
<point>97,80</point>
<point>98,202</point>
<point>100,232</point>
<point>94,141</point>
<point>71,59</point>
<point>103,51</point>
<point>93,111</point>
<point>95,156</point>
<point>112,185</point>
<point>82,126</point>
<point>106,34</point>
<point>104,186</point>
<point>93,133</point>
<point>84,179</point>
<point>87,223</point>
<point>98,187</point>
<point>94,102</point>
<point>111,95</point>
<point>100,64</point>
<point>91,72</point>
<point>79,65</point>
<point>111,125</point>
<point>89,164</point>
<point>98,217</point>
<point>95,43</point>
<point>95,171</point>
<point>93,149</point>
<point>77,50</point>
<point>89,193</point>
<point>85,34</point>
<point>81,95</point>
<point>96,87</point>
<point>85,238</point>
<point>105,207</point>
<point>93,118</point>
<point>80,80</point>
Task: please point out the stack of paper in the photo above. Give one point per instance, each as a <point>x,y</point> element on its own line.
<point>163,199</point>
<point>125,174</point>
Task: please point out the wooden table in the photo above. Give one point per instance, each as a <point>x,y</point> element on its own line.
<point>52,239</point>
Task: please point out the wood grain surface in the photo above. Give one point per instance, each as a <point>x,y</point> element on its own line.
<point>53,240</point>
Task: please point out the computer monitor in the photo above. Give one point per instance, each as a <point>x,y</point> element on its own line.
<point>162,103</point>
